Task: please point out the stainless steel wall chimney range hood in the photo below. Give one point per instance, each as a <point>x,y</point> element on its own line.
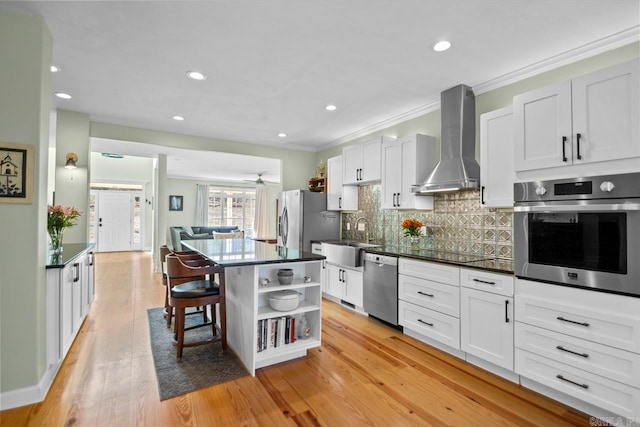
<point>457,169</point>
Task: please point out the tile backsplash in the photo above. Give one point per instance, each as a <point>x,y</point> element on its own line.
<point>457,223</point>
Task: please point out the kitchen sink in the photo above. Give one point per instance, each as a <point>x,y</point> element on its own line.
<point>347,253</point>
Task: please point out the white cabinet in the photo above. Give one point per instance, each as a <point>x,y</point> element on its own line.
<point>362,162</point>
<point>70,292</point>
<point>339,197</point>
<point>406,162</point>
<point>496,159</point>
<point>256,323</point>
<point>592,118</point>
<point>486,316</point>
<point>345,284</point>
<point>582,343</point>
<point>428,302</point>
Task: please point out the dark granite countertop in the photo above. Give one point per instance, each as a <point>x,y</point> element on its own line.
<point>70,252</point>
<point>497,265</point>
<point>239,252</point>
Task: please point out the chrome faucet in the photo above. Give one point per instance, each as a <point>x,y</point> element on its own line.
<point>366,227</point>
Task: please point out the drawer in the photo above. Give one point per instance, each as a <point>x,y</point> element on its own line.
<point>616,397</point>
<point>608,319</point>
<point>609,362</point>
<point>316,248</point>
<point>429,270</point>
<point>501,284</point>
<point>434,325</point>
<point>428,294</point>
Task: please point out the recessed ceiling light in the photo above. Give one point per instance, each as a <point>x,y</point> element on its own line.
<point>196,75</point>
<point>282,135</point>
<point>441,46</point>
<point>54,69</point>
<point>178,118</point>
<point>62,95</point>
<point>330,107</point>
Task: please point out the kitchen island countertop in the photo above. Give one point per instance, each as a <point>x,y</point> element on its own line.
<point>240,252</point>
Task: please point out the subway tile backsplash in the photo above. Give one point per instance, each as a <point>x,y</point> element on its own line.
<point>456,224</point>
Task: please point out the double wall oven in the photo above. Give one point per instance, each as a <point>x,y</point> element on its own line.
<point>582,232</point>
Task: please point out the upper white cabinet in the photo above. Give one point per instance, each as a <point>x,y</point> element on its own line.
<point>496,159</point>
<point>592,118</point>
<point>339,197</point>
<point>362,162</point>
<point>406,162</point>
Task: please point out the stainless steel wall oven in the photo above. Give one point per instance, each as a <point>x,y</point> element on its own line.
<point>581,232</point>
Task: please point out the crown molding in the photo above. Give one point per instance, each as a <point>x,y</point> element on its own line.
<point>597,47</point>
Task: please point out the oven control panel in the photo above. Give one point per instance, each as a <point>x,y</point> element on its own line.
<point>623,186</point>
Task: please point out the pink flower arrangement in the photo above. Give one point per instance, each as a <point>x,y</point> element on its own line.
<point>61,217</point>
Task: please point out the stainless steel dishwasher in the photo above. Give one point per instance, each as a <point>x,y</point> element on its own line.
<point>380,287</point>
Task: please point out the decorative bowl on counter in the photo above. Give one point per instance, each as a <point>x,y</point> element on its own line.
<point>284,300</point>
<point>285,276</point>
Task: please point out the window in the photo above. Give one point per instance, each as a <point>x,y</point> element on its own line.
<point>232,206</point>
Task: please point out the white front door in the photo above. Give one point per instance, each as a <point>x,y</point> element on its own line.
<point>115,219</point>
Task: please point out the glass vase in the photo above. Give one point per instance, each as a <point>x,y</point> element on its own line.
<point>414,242</point>
<point>55,245</point>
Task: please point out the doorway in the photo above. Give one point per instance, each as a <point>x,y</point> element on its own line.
<point>116,219</point>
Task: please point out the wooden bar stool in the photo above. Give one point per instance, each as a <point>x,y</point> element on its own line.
<point>190,258</point>
<point>189,287</point>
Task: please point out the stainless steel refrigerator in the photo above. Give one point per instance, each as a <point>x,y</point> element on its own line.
<point>303,217</point>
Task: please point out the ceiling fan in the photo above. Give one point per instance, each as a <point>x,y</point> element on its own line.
<point>260,181</point>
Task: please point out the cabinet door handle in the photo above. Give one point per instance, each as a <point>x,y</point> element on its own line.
<point>426,323</point>
<point>360,174</point>
<point>425,294</point>
<point>560,377</point>
<point>482,195</point>
<point>484,282</point>
<point>585,355</point>
<point>506,311</point>
<point>564,154</point>
<point>572,321</point>
<point>578,155</point>
<point>76,267</point>
<point>90,258</point>
<point>398,199</point>
<point>339,202</point>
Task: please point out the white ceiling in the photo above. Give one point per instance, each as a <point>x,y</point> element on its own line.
<point>272,66</point>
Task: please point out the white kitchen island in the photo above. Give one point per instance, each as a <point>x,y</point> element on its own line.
<point>249,318</point>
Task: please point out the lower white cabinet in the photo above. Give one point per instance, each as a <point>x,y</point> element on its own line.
<point>486,316</point>
<point>583,343</point>
<point>429,301</point>
<point>486,323</point>
<point>344,284</point>
<point>70,293</point>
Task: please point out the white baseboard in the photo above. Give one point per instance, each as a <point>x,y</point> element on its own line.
<point>31,394</point>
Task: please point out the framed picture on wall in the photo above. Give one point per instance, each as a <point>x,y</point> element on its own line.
<point>16,173</point>
<point>175,203</point>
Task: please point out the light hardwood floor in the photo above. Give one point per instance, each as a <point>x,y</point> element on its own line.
<point>364,374</point>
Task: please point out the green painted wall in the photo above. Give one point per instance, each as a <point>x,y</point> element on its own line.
<point>25,85</point>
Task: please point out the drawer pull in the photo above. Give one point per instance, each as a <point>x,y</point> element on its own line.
<point>426,323</point>
<point>484,282</point>
<point>559,347</point>
<point>425,294</point>
<point>572,321</point>
<point>560,377</point>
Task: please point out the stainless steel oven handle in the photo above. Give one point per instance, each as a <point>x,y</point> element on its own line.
<point>577,207</point>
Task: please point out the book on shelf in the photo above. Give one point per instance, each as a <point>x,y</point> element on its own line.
<point>275,332</point>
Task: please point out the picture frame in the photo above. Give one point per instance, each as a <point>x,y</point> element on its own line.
<point>175,203</point>
<point>16,173</point>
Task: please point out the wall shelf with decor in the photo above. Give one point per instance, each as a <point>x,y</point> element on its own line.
<point>318,185</point>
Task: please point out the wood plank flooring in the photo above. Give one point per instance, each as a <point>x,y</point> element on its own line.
<point>364,374</point>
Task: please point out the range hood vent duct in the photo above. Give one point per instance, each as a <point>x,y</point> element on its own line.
<point>457,169</point>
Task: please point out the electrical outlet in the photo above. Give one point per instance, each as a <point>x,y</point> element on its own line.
<point>423,230</point>
<point>360,226</point>
<point>348,226</point>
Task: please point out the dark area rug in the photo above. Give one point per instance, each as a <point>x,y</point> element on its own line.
<point>201,366</point>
